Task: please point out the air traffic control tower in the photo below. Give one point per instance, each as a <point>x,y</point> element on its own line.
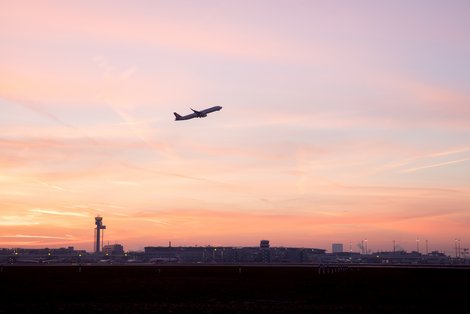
<point>98,235</point>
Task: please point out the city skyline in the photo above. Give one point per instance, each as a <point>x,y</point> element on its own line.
<point>341,122</point>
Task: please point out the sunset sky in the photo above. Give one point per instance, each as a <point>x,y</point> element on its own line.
<point>341,121</point>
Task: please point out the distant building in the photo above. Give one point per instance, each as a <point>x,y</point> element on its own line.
<point>113,249</point>
<point>265,253</point>
<point>264,244</point>
<point>337,247</point>
<point>200,254</point>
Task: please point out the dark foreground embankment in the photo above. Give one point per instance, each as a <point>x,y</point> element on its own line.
<point>231,289</point>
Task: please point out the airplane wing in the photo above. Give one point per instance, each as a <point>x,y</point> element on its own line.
<point>199,114</point>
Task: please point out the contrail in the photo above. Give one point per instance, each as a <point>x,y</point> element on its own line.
<point>177,175</point>
<point>131,122</point>
<point>106,66</point>
<point>451,152</point>
<point>436,165</point>
<point>432,155</point>
<point>35,107</point>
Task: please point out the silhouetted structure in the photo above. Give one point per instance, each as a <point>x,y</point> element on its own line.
<point>98,236</point>
<point>264,251</point>
<point>113,249</point>
<point>264,244</point>
<point>337,248</point>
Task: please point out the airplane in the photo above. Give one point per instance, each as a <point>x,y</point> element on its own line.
<point>197,114</point>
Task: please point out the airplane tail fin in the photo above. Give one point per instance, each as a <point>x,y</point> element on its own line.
<point>177,116</point>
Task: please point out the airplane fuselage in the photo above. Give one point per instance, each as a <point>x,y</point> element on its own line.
<point>197,114</point>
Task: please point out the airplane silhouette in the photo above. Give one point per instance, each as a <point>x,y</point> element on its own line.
<point>197,114</point>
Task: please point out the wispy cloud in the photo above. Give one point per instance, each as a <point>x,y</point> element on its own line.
<point>53,186</point>
<point>128,183</point>
<point>59,213</point>
<point>17,221</point>
<point>27,236</point>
